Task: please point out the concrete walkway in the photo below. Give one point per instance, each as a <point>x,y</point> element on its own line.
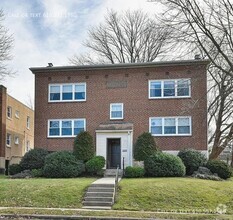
<point>106,180</point>
<point>100,194</point>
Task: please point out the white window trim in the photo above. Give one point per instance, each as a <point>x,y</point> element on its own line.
<point>171,135</point>
<point>73,92</point>
<point>8,145</point>
<point>162,88</point>
<point>60,127</point>
<point>122,106</point>
<point>9,107</point>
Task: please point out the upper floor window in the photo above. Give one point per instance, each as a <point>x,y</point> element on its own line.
<point>66,127</point>
<point>67,92</point>
<point>9,112</point>
<point>8,139</point>
<point>169,126</point>
<point>116,111</point>
<point>16,140</point>
<point>169,88</point>
<point>17,113</point>
<point>28,122</point>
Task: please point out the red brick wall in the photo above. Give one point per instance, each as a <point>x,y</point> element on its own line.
<point>137,107</point>
<point>2,120</point>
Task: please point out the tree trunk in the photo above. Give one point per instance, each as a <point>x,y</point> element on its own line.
<point>215,152</point>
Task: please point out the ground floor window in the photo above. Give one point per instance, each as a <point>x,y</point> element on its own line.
<point>66,127</point>
<point>169,126</point>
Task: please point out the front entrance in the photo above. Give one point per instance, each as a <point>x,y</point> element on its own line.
<point>113,153</point>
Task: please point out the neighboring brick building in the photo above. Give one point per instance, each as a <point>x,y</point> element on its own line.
<point>116,103</point>
<point>17,130</point>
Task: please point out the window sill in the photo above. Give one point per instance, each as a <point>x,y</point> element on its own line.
<point>169,97</point>
<point>62,101</point>
<point>171,135</point>
<point>54,137</point>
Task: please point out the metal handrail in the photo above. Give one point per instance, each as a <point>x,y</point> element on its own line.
<point>116,183</point>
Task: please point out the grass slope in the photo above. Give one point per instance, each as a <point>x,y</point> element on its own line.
<point>174,194</point>
<point>65,193</point>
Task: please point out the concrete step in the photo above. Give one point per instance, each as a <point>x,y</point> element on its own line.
<point>96,203</point>
<point>100,189</point>
<point>98,207</point>
<point>100,199</point>
<point>99,194</point>
<point>103,185</point>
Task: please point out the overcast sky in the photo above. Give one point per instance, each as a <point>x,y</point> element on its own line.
<point>51,31</point>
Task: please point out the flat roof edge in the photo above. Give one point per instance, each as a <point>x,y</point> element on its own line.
<point>121,65</point>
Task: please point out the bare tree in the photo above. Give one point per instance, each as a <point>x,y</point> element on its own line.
<point>6,44</point>
<point>220,107</point>
<point>129,37</point>
<point>206,27</point>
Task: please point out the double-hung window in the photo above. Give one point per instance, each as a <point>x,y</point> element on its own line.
<point>177,88</point>
<point>116,111</point>
<point>170,126</point>
<point>75,92</point>
<point>66,127</point>
<point>9,112</point>
<point>8,139</point>
<point>28,122</point>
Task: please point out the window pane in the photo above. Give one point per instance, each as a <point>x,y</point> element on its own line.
<point>67,93</point>
<point>78,126</point>
<point>183,121</point>
<point>169,88</point>
<point>66,127</point>
<point>183,87</point>
<point>54,89</point>
<point>184,130</point>
<point>54,132</point>
<point>156,130</point>
<point>155,89</point>
<point>54,128</point>
<point>116,114</point>
<point>183,126</point>
<point>54,92</point>
<point>116,107</point>
<point>78,130</point>
<point>54,124</point>
<point>80,92</point>
<point>169,126</point>
<point>156,126</point>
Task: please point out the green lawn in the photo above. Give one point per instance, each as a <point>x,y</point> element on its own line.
<point>65,193</point>
<point>174,194</point>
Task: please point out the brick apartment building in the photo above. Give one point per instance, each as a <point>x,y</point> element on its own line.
<point>116,103</point>
<point>16,131</point>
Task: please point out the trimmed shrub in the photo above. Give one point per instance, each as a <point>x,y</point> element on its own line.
<point>192,159</point>
<point>83,146</point>
<point>33,159</point>
<point>144,146</point>
<point>37,172</point>
<point>62,164</point>
<point>164,165</point>
<point>95,165</point>
<point>14,169</point>
<point>134,172</point>
<point>220,167</point>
